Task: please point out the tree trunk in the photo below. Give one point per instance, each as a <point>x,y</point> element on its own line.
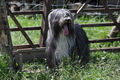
<point>5,37</point>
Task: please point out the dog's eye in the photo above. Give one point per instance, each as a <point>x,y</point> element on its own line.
<point>66,15</point>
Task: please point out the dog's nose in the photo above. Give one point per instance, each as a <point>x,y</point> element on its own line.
<point>68,20</point>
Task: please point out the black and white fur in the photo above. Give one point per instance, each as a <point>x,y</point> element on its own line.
<point>64,37</point>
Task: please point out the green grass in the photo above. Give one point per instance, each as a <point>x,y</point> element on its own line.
<point>102,66</point>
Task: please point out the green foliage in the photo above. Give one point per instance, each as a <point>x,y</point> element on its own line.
<point>3,64</point>
<point>102,66</point>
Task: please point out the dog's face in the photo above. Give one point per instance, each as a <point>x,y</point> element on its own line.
<point>61,20</point>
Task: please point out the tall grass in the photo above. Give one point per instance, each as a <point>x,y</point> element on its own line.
<point>102,66</point>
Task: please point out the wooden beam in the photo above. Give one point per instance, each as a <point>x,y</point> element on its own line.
<point>26,28</point>
<point>95,10</point>
<point>111,49</point>
<point>30,50</point>
<point>91,41</point>
<point>27,12</point>
<point>114,31</point>
<point>24,46</point>
<point>83,25</point>
<point>72,10</point>
<point>44,28</point>
<point>81,9</point>
<point>20,28</point>
<point>97,25</point>
<point>104,40</point>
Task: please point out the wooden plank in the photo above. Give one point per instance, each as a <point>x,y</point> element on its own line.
<point>42,49</point>
<point>30,50</point>
<point>26,28</point>
<point>81,9</point>
<point>72,10</point>
<point>20,28</point>
<point>27,12</point>
<point>95,10</point>
<point>44,28</point>
<point>111,49</point>
<point>83,25</point>
<point>24,46</point>
<point>104,40</point>
<point>91,41</point>
<point>97,25</point>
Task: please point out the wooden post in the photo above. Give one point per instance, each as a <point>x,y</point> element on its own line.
<point>5,37</point>
<point>44,29</point>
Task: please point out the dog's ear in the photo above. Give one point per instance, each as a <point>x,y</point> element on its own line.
<point>56,28</point>
<point>82,43</point>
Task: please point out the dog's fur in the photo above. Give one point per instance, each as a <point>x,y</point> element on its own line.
<point>64,37</point>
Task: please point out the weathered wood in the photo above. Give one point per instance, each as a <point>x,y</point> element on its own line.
<point>91,41</point>
<point>97,25</point>
<point>108,11</point>
<point>111,49</point>
<point>5,37</point>
<point>27,12</point>
<point>26,28</point>
<point>72,10</point>
<point>39,53</point>
<point>24,46</point>
<point>104,40</point>
<point>81,9</point>
<point>46,11</point>
<point>30,54</point>
<point>24,51</point>
<point>20,28</point>
<point>114,32</point>
<point>83,25</point>
<point>100,9</point>
<point>20,61</point>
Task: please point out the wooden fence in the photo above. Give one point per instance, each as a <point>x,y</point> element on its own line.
<point>35,48</point>
<point>73,11</point>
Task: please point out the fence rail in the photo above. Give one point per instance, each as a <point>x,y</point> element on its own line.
<point>72,10</point>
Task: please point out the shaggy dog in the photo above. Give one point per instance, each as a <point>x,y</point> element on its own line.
<point>64,38</point>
